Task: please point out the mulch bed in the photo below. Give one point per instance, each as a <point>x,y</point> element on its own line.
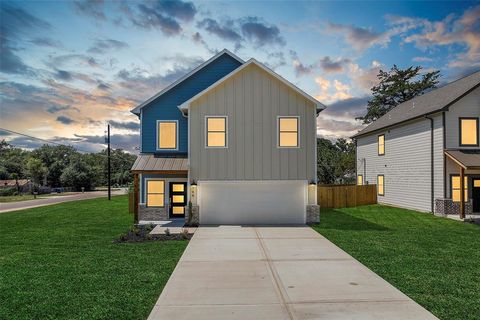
<point>141,233</point>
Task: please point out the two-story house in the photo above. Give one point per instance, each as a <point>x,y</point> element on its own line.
<point>425,151</point>
<point>236,140</point>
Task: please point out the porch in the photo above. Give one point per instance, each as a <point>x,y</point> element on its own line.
<point>463,183</point>
<point>160,186</point>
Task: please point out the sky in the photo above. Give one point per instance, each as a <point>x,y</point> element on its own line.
<point>67,68</point>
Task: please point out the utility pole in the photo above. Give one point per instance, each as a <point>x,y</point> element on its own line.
<point>109,168</point>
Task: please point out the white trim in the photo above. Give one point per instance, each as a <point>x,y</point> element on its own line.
<point>164,192</point>
<point>137,109</point>
<point>226,131</point>
<point>141,136</point>
<point>298,132</point>
<point>319,105</point>
<point>177,136</point>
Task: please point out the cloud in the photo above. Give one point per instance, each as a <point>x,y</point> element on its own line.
<point>163,15</point>
<point>334,66</point>
<point>275,60</point>
<point>46,42</point>
<point>73,59</point>
<point>225,31</point>
<point>127,142</point>
<point>358,37</point>
<point>247,29</point>
<point>55,109</point>
<point>365,78</point>
<point>331,92</point>
<point>260,33</point>
<point>130,125</point>
<point>101,46</point>
<point>300,68</point>
<point>65,120</point>
<point>91,8</point>
<point>422,59</point>
<point>198,39</point>
<point>16,23</point>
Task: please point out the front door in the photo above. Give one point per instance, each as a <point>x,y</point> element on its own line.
<point>476,195</point>
<point>178,199</point>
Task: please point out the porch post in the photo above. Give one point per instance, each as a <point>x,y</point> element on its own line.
<point>462,193</point>
<point>135,197</point>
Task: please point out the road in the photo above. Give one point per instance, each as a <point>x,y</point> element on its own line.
<point>20,205</point>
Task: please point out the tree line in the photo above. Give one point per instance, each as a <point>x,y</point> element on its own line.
<point>63,166</point>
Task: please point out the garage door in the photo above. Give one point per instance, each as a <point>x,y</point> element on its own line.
<point>252,202</point>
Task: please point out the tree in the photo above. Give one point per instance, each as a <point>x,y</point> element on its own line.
<point>78,174</point>
<point>336,161</point>
<point>397,86</point>
<point>36,170</point>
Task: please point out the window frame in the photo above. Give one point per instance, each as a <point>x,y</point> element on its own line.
<point>226,131</point>
<point>378,189</point>
<point>360,176</point>
<point>157,145</point>
<point>146,192</point>
<point>278,132</point>
<point>460,131</point>
<point>465,185</point>
<point>378,144</point>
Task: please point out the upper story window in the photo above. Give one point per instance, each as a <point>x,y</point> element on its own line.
<point>288,132</point>
<point>167,134</point>
<point>381,185</point>
<point>360,180</point>
<point>216,132</point>
<point>468,132</point>
<point>381,145</point>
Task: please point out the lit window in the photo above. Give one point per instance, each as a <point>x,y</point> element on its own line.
<point>216,132</point>
<point>288,132</point>
<point>167,135</point>
<point>381,145</point>
<point>155,193</point>
<point>469,131</point>
<point>381,185</point>
<point>455,183</point>
<point>360,180</point>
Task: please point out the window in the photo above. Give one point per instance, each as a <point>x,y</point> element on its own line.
<point>216,130</point>
<point>167,134</point>
<point>468,132</point>
<point>288,132</point>
<point>455,185</point>
<point>360,180</point>
<point>155,193</point>
<point>381,145</point>
<point>381,185</point>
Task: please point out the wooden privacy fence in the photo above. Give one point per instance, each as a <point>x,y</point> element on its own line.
<point>344,196</point>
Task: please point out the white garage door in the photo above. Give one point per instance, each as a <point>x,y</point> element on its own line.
<point>252,202</point>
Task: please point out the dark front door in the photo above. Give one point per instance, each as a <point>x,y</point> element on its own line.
<point>178,199</point>
<point>476,195</point>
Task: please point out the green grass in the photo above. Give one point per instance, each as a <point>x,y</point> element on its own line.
<point>435,261</point>
<point>59,262</point>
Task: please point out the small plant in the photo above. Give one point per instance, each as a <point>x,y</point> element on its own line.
<point>167,232</point>
<point>184,233</point>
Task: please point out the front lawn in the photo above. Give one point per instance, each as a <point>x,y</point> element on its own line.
<point>435,261</point>
<point>59,262</point>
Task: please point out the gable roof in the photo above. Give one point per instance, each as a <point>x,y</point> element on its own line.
<point>319,106</point>
<point>431,102</point>
<point>137,109</point>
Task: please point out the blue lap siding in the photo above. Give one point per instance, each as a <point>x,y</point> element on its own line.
<point>165,106</point>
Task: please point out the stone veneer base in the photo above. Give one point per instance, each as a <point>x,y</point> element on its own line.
<point>313,213</point>
<point>195,215</point>
<point>152,213</point>
<point>448,206</point>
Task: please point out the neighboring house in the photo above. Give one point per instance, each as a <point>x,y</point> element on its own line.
<point>23,184</point>
<point>233,137</point>
<point>418,151</point>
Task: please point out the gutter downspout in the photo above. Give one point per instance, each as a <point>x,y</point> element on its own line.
<point>432,180</point>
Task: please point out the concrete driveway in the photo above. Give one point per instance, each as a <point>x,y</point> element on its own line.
<point>231,272</point>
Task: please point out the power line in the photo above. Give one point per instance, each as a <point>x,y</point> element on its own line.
<point>49,142</point>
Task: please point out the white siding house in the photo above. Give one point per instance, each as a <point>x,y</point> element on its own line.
<point>420,140</point>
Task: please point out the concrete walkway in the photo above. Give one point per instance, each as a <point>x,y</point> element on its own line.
<point>20,205</point>
<point>230,272</point>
